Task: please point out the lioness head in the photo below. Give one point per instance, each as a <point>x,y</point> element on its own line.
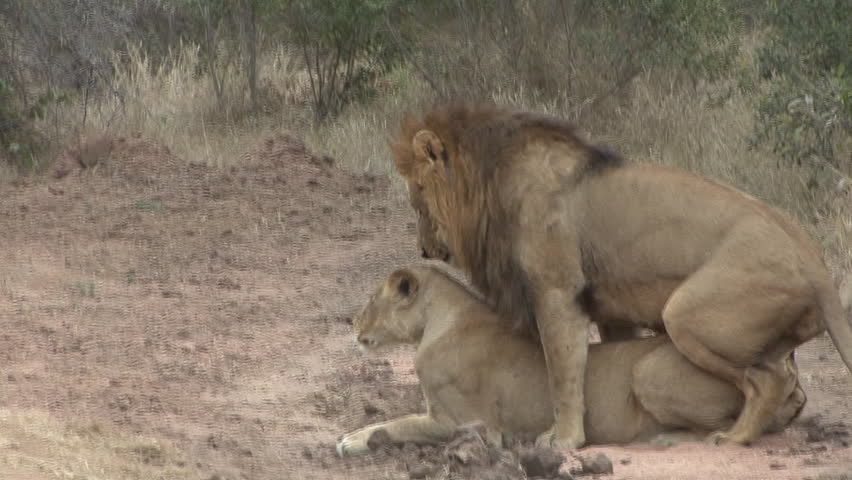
<point>390,316</point>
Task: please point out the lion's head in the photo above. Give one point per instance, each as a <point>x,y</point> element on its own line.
<point>427,231</point>
<point>438,155</point>
<point>391,315</point>
<point>456,159</point>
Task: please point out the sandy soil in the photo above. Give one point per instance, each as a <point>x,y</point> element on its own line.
<point>209,308</point>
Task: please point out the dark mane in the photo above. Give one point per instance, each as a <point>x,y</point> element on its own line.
<point>487,134</point>
<point>480,138</point>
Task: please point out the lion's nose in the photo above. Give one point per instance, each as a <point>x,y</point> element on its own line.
<point>423,253</point>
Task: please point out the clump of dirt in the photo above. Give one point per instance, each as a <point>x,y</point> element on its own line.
<point>597,464</point>
<point>818,430</point>
<point>467,455</point>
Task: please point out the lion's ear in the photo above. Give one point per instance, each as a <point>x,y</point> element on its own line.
<point>428,147</point>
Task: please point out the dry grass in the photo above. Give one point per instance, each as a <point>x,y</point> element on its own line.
<point>35,445</point>
<point>176,106</point>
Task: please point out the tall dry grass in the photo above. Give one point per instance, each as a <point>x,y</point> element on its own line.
<point>179,107</point>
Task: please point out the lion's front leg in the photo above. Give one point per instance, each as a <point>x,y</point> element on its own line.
<point>563,329</point>
<point>419,428</point>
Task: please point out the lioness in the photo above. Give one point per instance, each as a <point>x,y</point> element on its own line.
<point>472,367</point>
<point>556,232</point>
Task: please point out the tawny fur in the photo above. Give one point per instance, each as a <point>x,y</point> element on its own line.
<point>556,232</point>
<point>472,367</point>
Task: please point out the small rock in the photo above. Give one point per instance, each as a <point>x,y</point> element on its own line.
<point>540,462</point>
<point>597,464</point>
<point>306,453</point>
<point>777,466</point>
<point>625,461</point>
<point>467,445</point>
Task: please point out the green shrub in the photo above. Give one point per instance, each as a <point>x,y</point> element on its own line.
<point>806,116</point>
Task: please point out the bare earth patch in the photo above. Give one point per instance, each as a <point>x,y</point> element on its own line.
<point>208,309</point>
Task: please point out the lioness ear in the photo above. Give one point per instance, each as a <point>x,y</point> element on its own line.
<point>404,287</point>
<point>404,283</point>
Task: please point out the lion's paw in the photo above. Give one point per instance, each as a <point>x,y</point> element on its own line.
<point>548,439</point>
<point>717,438</point>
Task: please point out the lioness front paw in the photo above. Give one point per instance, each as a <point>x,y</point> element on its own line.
<point>549,439</point>
<point>353,444</point>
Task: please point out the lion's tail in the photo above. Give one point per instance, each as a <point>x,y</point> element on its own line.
<point>835,312</point>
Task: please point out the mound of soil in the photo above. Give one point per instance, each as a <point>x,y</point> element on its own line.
<point>210,307</point>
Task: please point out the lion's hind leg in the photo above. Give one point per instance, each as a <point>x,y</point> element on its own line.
<point>739,320</point>
<point>419,428</point>
<point>774,380</point>
<point>792,408</point>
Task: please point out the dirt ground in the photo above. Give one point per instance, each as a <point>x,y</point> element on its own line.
<point>209,309</point>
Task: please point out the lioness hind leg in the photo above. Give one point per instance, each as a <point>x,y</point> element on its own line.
<point>411,428</point>
<point>679,395</point>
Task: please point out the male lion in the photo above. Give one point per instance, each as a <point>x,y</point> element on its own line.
<point>472,367</point>
<point>556,232</point>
